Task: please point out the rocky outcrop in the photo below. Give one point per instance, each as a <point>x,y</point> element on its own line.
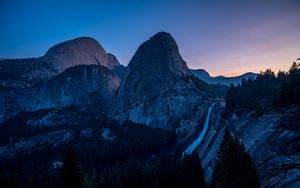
<point>273,144</point>
<point>157,88</point>
<point>21,73</point>
<point>271,140</point>
<point>79,85</point>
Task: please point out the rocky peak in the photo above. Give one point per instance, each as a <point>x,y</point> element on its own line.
<point>155,67</point>
<point>161,54</point>
<point>155,88</point>
<point>79,51</point>
<point>22,73</point>
<point>84,44</point>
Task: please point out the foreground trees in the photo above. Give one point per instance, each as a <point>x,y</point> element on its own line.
<point>191,172</point>
<point>233,167</point>
<point>70,175</point>
<point>136,156</point>
<point>166,170</point>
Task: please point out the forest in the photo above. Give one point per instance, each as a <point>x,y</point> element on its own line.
<point>137,156</point>
<point>267,92</point>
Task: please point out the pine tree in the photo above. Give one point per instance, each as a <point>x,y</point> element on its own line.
<point>230,99</point>
<point>7,181</point>
<point>191,172</point>
<point>233,167</point>
<point>70,175</point>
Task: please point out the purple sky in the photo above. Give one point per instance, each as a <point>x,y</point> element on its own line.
<point>224,37</point>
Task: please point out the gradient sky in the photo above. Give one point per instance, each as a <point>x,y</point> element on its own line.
<point>227,37</point>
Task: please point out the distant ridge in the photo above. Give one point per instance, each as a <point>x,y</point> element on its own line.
<point>221,80</point>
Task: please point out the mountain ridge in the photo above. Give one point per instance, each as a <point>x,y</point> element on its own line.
<point>157,89</point>
<point>35,71</point>
<point>221,80</point>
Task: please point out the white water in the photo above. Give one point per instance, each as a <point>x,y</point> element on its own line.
<point>192,147</point>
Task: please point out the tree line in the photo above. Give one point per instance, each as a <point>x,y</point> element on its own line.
<point>267,91</point>
<point>138,156</point>
<point>233,169</point>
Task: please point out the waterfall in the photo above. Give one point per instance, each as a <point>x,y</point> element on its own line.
<point>192,147</point>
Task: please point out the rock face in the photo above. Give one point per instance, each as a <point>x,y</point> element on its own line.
<point>79,51</point>
<point>75,72</point>
<point>79,85</point>
<point>271,140</point>
<point>53,138</point>
<point>273,144</point>
<point>221,80</point>
<point>156,88</point>
<point>112,61</point>
<point>207,150</point>
<point>115,66</point>
<point>21,73</point>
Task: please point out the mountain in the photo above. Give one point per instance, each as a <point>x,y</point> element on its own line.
<point>157,86</point>
<point>221,80</point>
<point>80,85</point>
<point>83,50</point>
<point>122,118</point>
<point>21,73</point>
